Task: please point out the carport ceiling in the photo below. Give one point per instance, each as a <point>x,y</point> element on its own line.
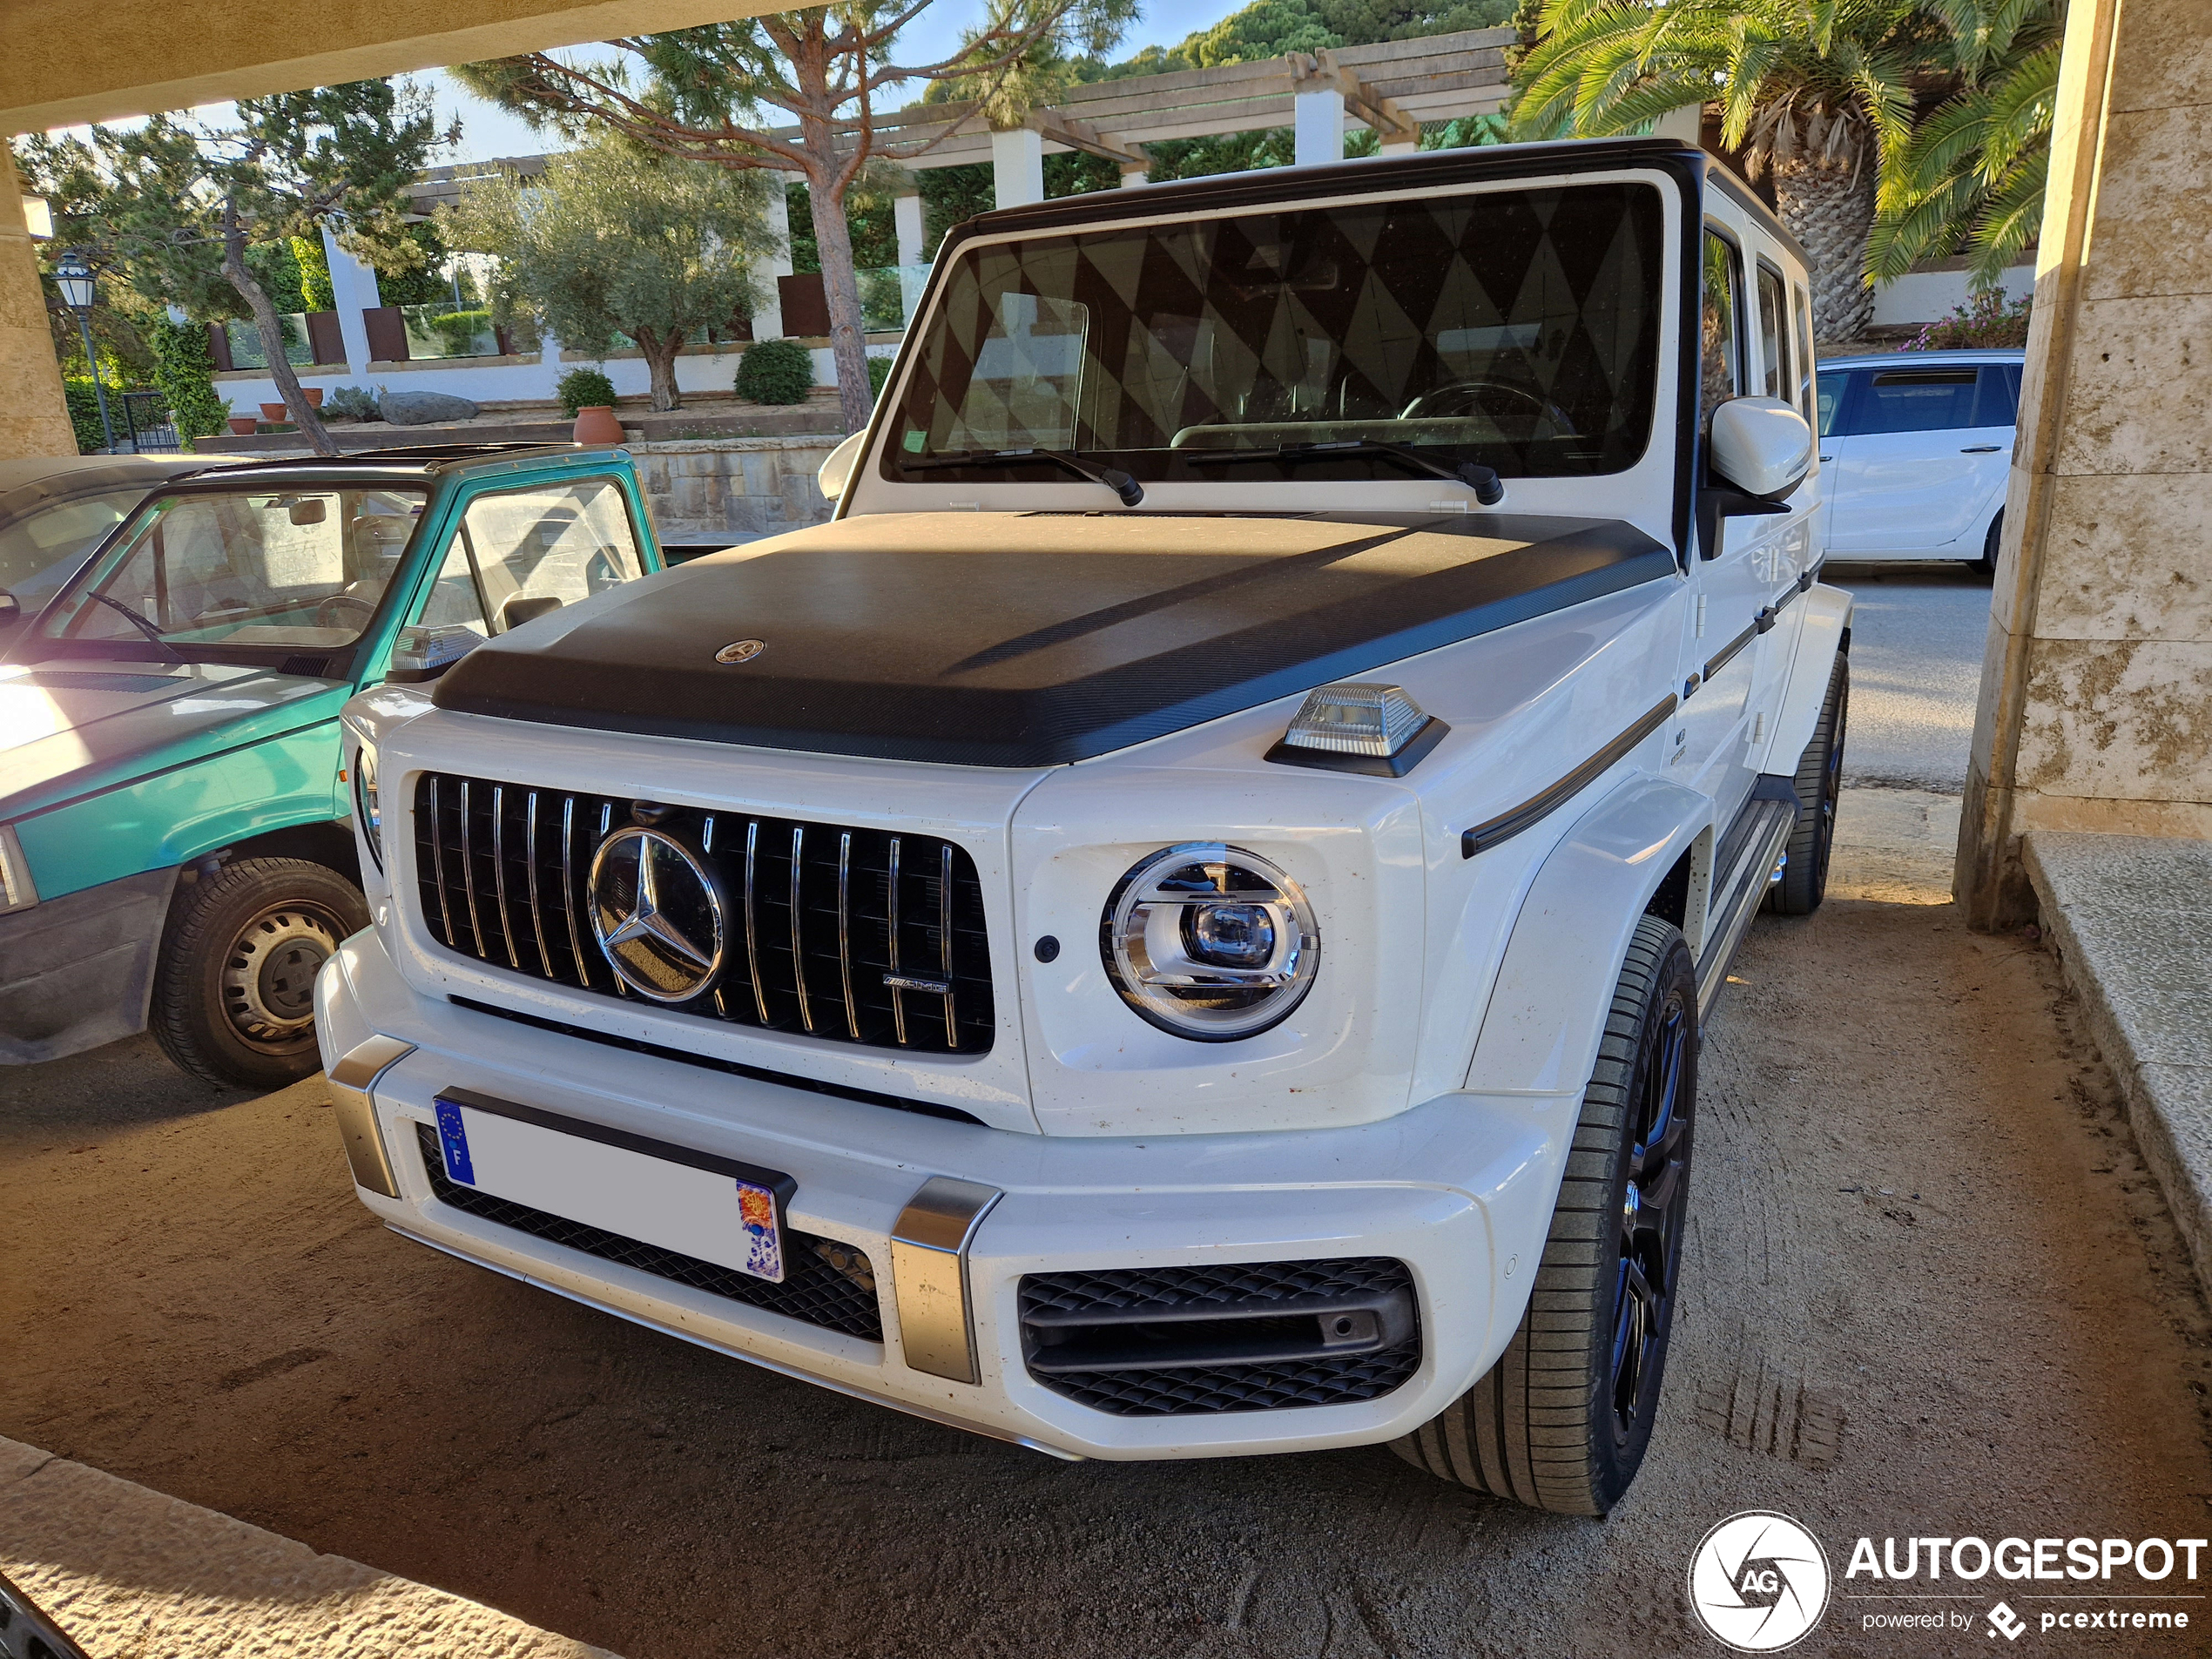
<point>63,63</point>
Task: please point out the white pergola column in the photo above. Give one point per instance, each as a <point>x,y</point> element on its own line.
<point>1318,128</point>
<point>768,315</point>
<point>353,290</point>
<point>1134,176</point>
<point>1402,147</point>
<point>905,219</point>
<point>1017,167</point>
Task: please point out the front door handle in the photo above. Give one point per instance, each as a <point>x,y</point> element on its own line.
<point>1827,457</point>
<point>1981,450</point>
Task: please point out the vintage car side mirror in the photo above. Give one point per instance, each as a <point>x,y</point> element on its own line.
<point>836,472</point>
<point>526,608</point>
<point>1761,446</point>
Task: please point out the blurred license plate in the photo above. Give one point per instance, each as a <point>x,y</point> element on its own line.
<point>718,1208</point>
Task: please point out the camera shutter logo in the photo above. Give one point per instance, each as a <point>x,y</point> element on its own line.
<point>1758,1582</point>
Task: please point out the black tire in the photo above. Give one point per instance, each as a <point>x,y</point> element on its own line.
<point>1563,1420</point>
<point>234,992</point>
<point>1820,788</point>
<point>1987,564</point>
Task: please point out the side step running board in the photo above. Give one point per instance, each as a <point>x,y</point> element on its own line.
<point>1750,859</point>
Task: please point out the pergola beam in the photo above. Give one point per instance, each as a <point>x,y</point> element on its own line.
<point>1057,126</point>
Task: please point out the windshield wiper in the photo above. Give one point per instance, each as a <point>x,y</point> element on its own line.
<point>1489,488</point>
<point>141,624</point>
<point>1114,478</point>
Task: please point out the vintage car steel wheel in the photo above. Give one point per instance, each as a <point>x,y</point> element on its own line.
<point>1563,1420</point>
<point>234,996</point>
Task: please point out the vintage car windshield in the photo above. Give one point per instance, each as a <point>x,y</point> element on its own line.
<point>210,575</point>
<point>1517,329</point>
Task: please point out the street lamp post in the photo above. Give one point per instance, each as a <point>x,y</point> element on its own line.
<point>79,289</point>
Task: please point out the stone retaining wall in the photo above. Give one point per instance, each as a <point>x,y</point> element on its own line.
<point>723,491</point>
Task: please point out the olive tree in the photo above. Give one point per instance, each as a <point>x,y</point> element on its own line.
<point>613,238</point>
<point>718,93</point>
<point>187,200</point>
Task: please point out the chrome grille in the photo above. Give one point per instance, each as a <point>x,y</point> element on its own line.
<point>855,934</point>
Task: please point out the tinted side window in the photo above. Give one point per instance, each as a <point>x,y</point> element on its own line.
<point>1774,334</point>
<point>1804,359</point>
<point>1829,406</point>
<point>1722,346</point>
<point>1920,399</point>
<point>1998,404</point>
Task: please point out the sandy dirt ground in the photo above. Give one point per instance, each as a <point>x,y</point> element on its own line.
<point>1930,1289</point>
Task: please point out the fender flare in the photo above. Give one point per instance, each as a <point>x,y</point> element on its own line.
<point>1547,1004</point>
<point>1823,635</point>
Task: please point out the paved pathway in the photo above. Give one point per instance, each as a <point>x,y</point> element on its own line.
<point>1917,638</point>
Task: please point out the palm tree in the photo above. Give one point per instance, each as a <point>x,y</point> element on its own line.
<point>1972,175</point>
<point>1818,91</point>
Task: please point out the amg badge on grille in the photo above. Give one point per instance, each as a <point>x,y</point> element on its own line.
<point>657,913</point>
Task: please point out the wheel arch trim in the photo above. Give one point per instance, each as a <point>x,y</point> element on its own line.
<point>1546,1009</point>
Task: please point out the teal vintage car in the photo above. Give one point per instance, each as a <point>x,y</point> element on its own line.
<point>174,845</point>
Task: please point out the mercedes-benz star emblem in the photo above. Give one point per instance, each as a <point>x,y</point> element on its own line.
<point>658,914</point>
<point>743,651</point>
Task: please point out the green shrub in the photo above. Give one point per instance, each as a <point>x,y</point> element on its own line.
<point>775,371</point>
<point>84,413</point>
<point>1987,320</point>
<point>183,371</point>
<point>584,388</point>
<point>878,372</point>
<point>352,403</point>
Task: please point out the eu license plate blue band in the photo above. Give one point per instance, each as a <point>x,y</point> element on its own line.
<point>453,1137</point>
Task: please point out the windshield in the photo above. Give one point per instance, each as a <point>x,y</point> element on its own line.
<point>42,549</point>
<point>1518,329</point>
<point>217,575</point>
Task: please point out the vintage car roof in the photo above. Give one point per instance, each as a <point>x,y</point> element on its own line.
<point>54,477</point>
<point>1004,639</point>
<point>417,461</point>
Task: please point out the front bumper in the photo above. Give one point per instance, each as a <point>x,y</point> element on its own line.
<point>1459,1190</point>
<point>77,971</point>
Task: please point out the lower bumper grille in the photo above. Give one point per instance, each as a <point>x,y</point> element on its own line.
<point>827,1283</point>
<point>1152,1342</point>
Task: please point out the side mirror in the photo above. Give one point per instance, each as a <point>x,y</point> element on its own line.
<point>10,610</point>
<point>526,608</point>
<point>837,471</point>
<point>1761,446</point>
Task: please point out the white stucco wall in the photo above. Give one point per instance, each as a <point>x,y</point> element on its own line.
<point>1930,296</point>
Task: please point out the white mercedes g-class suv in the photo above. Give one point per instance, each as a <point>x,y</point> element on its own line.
<point>1178,924</point>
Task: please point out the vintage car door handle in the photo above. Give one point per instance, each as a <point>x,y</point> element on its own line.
<point>1981,450</point>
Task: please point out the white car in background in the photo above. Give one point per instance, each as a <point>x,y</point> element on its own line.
<point>1914,450</point>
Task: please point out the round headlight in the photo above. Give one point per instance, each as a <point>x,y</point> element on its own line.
<point>1209,942</point>
<point>368,806</point>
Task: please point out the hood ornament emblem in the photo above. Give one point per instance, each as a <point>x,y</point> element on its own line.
<point>657,913</point>
<point>743,650</point>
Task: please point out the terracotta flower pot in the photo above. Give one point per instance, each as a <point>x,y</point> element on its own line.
<point>314,396</point>
<point>275,414</point>
<point>596,424</point>
<point>244,425</point>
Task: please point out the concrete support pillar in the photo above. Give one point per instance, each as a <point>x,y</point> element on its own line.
<point>1317,130</point>
<point>1017,167</point>
<point>768,314</point>
<point>905,219</point>
<point>1132,176</point>
<point>353,290</point>
<point>1401,147</point>
<point>34,419</point>
<point>2098,675</point>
